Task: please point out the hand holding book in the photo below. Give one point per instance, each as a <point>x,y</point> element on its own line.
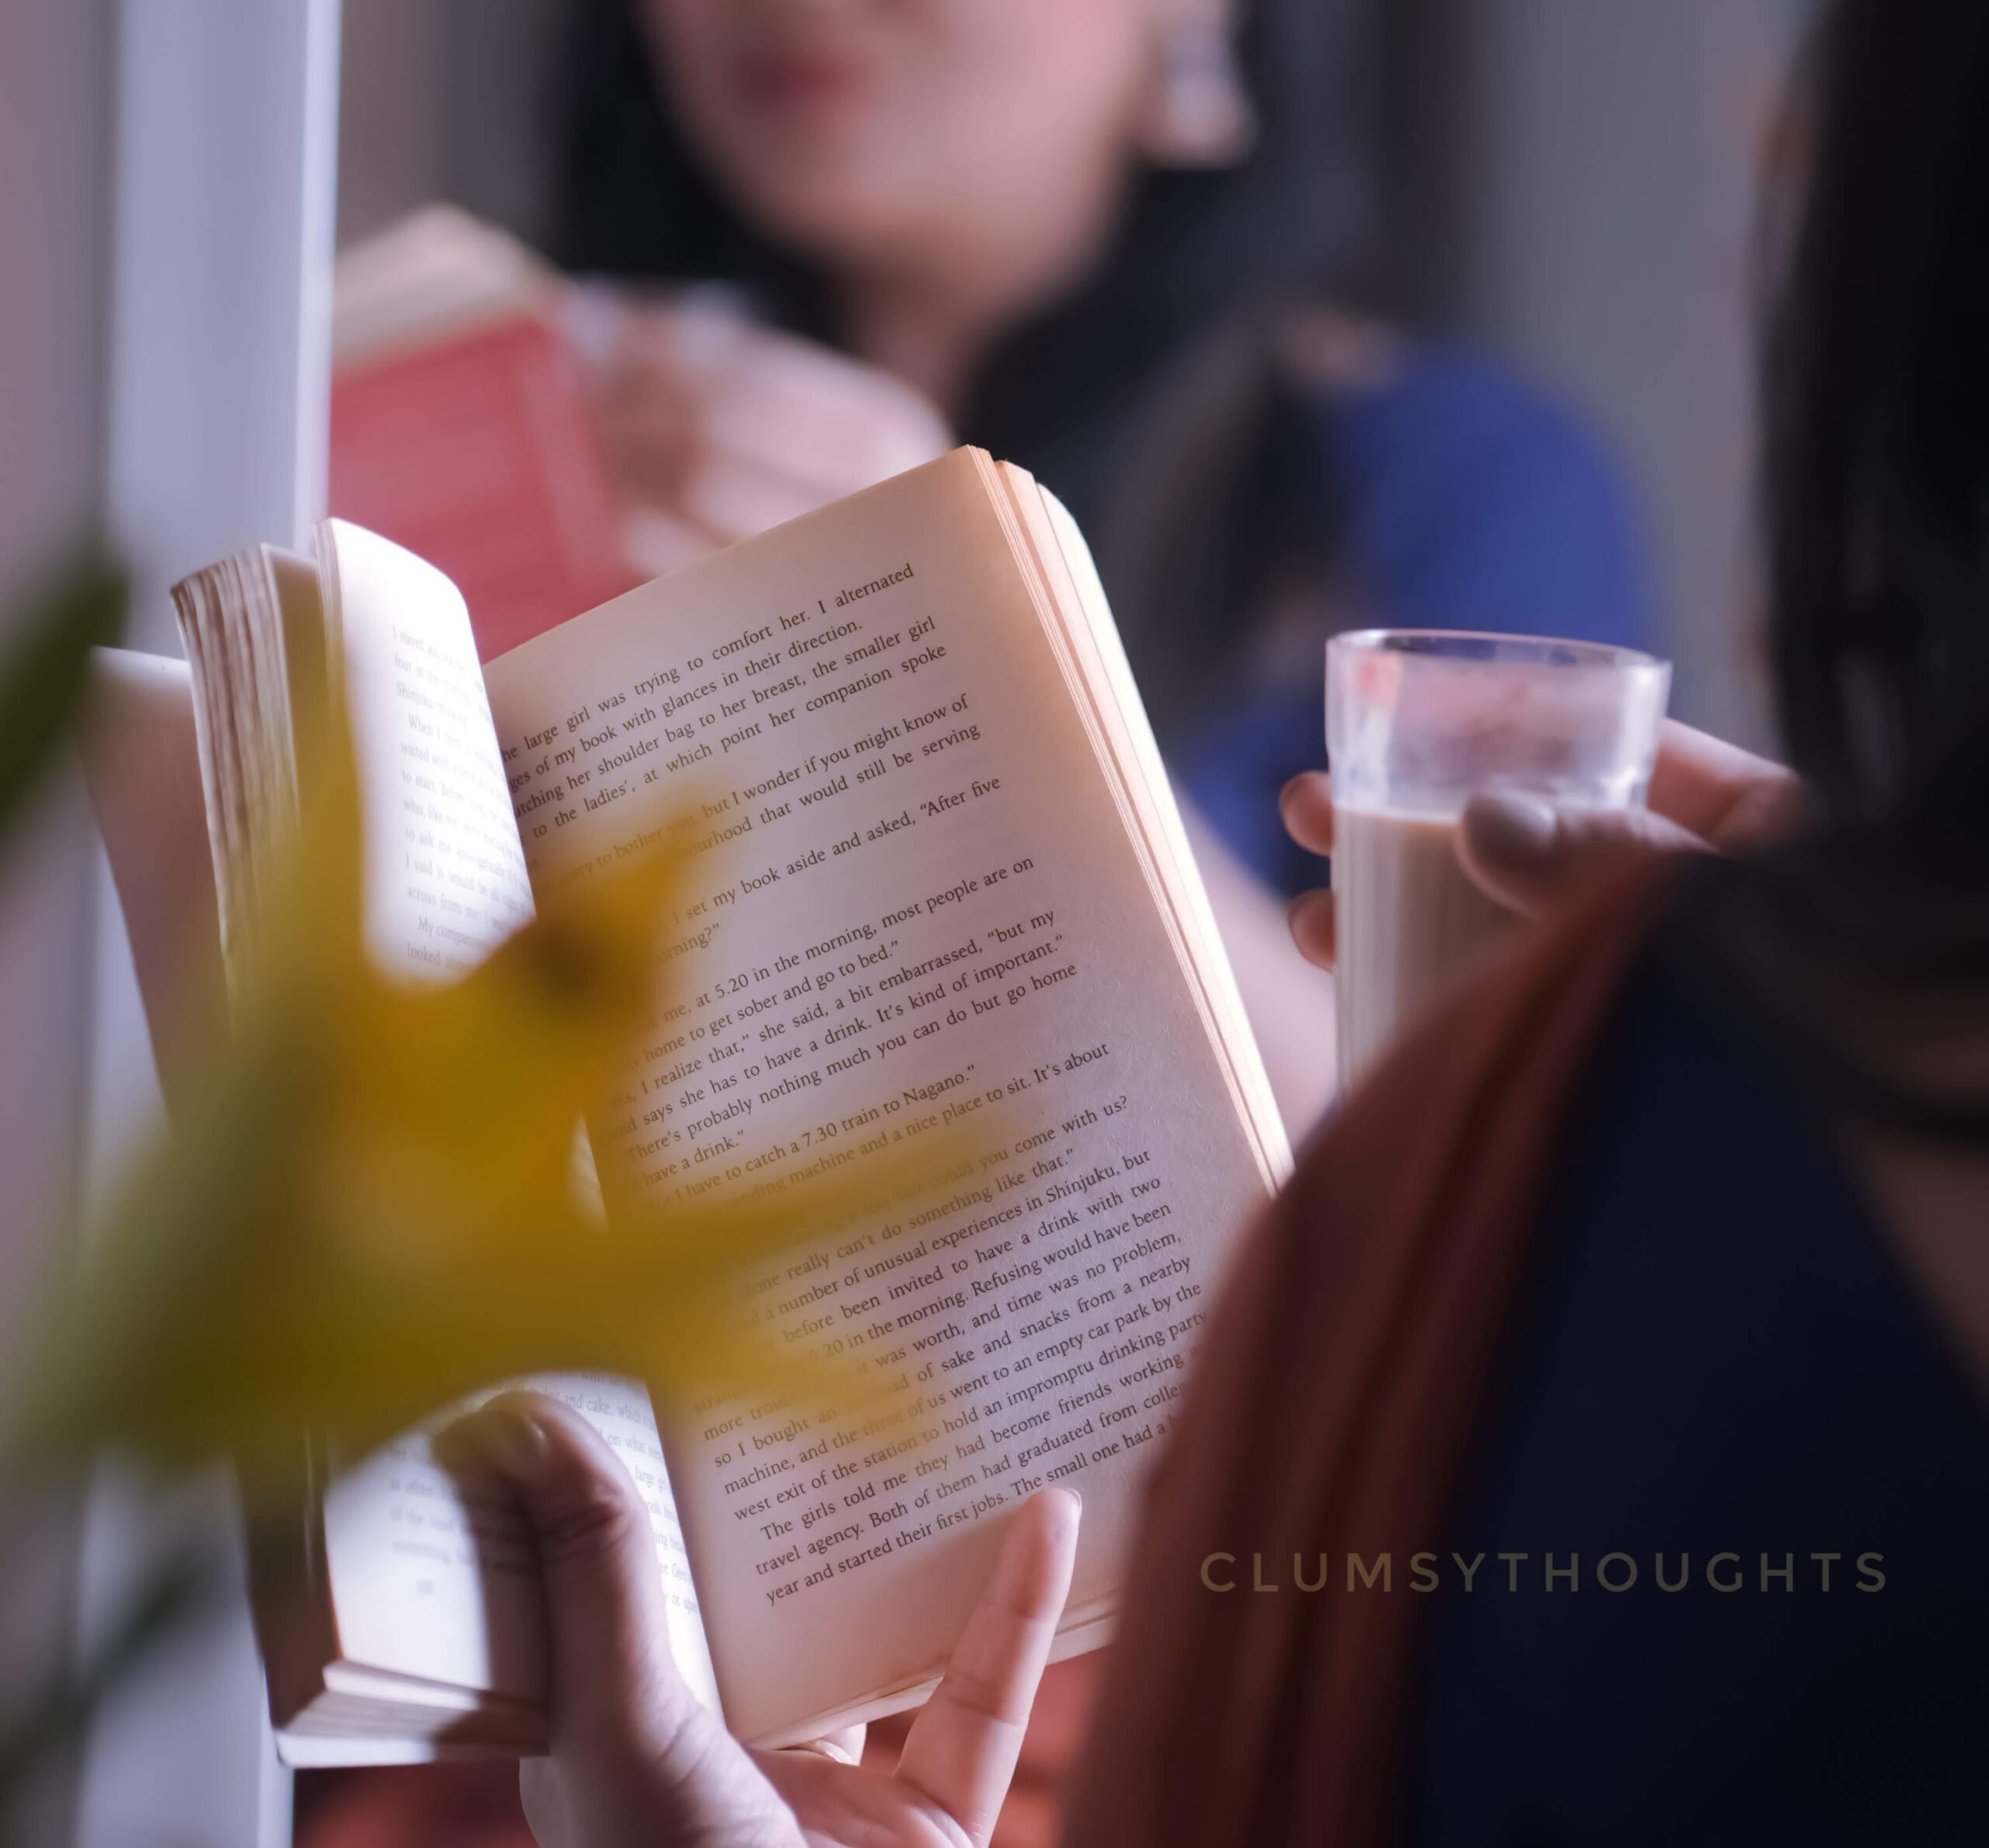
<point>715,428</point>
<point>547,442</point>
<point>635,1757</point>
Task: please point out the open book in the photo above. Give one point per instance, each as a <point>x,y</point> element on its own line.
<point>936,866</point>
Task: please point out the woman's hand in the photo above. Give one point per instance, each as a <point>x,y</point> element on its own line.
<point>1705,796</point>
<point>715,428</point>
<point>637,1758</point>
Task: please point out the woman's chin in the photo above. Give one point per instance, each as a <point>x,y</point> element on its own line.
<point>837,214</point>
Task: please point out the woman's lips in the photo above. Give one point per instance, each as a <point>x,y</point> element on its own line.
<point>799,80</point>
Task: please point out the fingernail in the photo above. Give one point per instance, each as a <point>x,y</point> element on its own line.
<point>1513,829</point>
<point>1076,1495</point>
<point>1298,916</point>
<point>517,1443</point>
<point>496,1438</point>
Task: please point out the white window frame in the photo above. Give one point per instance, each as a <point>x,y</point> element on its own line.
<point>223,189</point>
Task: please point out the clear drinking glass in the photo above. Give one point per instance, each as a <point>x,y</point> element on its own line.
<point>1418,721</point>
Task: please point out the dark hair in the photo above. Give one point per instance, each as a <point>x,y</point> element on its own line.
<point>1868,942</point>
<point>1144,391</point>
<point>1876,411</point>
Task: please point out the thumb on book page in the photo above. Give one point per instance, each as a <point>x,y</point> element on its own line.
<point>632,1750</point>
<point>604,1597</point>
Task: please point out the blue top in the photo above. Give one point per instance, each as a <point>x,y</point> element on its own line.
<point>1466,499</point>
<point>1722,1371</point>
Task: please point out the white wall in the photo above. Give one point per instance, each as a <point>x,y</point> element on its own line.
<point>54,76</point>
<point>53,81</point>
<point>1601,169</point>
<point>445,98</point>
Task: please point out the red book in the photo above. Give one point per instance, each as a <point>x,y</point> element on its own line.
<point>458,430</point>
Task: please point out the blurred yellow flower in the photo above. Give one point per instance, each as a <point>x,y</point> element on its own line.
<point>367,1208</point>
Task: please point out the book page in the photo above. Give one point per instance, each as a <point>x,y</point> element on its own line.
<point>917,911</point>
<point>424,1583</point>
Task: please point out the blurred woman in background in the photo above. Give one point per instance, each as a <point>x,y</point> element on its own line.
<point>1114,242</point>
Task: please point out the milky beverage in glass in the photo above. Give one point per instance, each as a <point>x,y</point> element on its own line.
<point>1418,722</point>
